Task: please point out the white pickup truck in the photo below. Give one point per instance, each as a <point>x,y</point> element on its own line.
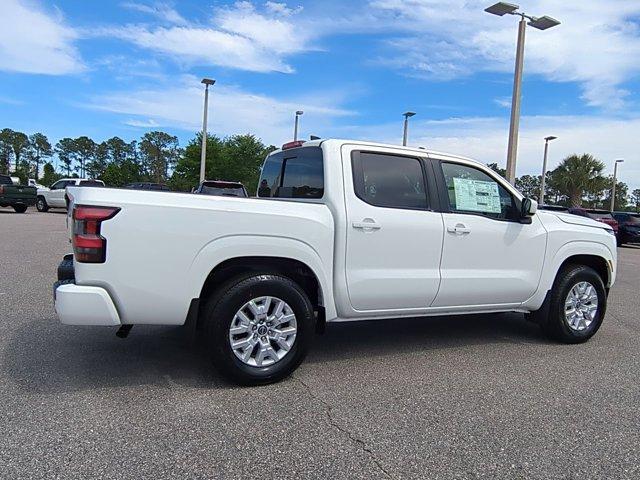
<point>54,196</point>
<point>341,231</point>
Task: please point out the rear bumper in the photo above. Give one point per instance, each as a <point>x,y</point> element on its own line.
<point>80,304</point>
<point>11,201</point>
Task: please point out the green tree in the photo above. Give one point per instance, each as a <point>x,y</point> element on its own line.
<point>85,150</point>
<point>186,175</point>
<point>160,152</point>
<point>65,149</point>
<point>17,143</point>
<point>39,149</point>
<point>529,185</point>
<point>500,171</point>
<point>622,195</point>
<point>6,152</point>
<point>99,162</point>
<point>635,199</point>
<point>49,176</point>
<point>120,174</point>
<point>236,158</point>
<point>577,175</point>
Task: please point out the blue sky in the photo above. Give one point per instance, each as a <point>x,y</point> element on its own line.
<point>71,67</point>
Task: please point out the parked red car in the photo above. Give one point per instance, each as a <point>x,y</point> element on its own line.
<point>603,216</point>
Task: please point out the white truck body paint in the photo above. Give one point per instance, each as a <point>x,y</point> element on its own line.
<point>161,247</point>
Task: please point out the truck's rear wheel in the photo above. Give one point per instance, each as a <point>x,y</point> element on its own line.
<point>20,208</point>
<point>577,307</point>
<point>259,328</point>
<point>41,204</point>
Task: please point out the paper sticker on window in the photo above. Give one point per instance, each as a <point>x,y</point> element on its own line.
<point>476,195</point>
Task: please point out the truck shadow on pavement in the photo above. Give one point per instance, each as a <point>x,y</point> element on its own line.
<point>45,357</point>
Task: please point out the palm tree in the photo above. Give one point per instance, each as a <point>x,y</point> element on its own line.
<point>577,175</point>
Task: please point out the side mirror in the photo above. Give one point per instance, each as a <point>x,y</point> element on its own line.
<point>529,207</point>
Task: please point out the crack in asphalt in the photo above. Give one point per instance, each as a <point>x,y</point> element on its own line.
<point>328,409</point>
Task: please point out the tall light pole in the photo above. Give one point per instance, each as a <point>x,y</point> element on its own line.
<point>544,167</point>
<point>295,125</point>
<point>541,23</point>
<point>203,153</point>
<point>615,177</point>
<point>405,134</point>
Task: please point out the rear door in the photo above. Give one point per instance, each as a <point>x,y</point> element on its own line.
<point>394,238</point>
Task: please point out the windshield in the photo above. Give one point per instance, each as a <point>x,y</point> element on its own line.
<point>225,191</point>
<point>91,183</point>
<point>600,215</point>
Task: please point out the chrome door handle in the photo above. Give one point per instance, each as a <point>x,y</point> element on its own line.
<point>371,225</point>
<point>459,229</point>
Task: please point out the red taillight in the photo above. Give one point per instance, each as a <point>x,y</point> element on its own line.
<point>88,245</point>
<point>1,189</point>
<point>294,144</point>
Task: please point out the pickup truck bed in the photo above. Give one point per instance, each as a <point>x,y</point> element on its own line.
<point>17,196</point>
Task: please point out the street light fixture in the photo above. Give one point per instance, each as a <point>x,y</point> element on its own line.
<point>544,167</point>
<point>541,23</point>
<point>615,176</point>
<point>203,153</point>
<point>295,126</point>
<point>405,135</point>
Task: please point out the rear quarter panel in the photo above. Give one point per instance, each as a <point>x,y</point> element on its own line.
<point>162,246</point>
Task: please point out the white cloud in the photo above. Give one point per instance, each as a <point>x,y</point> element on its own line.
<point>231,110</point>
<point>33,41</point>
<point>163,11</point>
<point>238,37</point>
<point>282,8</point>
<point>597,44</point>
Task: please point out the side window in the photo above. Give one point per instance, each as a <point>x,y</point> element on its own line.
<point>58,185</point>
<point>389,180</point>
<point>296,173</point>
<point>470,190</point>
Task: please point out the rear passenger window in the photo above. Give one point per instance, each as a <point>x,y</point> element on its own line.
<point>389,180</point>
<point>295,173</point>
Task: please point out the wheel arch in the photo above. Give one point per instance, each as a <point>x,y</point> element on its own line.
<point>230,256</point>
<point>595,255</point>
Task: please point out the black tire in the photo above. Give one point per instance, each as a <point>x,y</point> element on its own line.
<point>555,326</point>
<point>20,208</point>
<point>41,205</point>
<point>221,309</point>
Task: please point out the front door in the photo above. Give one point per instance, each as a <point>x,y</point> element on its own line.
<point>488,257</point>
<point>394,240</point>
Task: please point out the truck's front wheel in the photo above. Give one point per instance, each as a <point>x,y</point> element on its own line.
<point>259,328</point>
<point>578,304</point>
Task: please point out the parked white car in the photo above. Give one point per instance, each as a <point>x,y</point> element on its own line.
<point>53,197</point>
<point>342,230</point>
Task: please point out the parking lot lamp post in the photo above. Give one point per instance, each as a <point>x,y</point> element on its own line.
<point>203,153</point>
<point>405,134</point>
<point>613,189</point>
<point>295,125</point>
<point>544,167</point>
<point>541,23</point>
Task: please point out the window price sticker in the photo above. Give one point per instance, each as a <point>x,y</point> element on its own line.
<point>476,195</point>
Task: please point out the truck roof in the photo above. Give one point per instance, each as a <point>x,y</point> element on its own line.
<point>418,150</point>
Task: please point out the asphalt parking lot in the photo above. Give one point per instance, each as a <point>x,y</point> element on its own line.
<point>454,397</point>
